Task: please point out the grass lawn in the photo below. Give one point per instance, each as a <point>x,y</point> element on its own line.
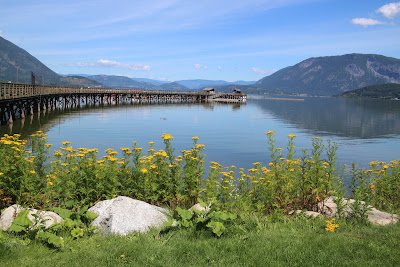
<point>298,242</point>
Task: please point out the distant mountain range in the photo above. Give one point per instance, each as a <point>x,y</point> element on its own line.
<point>320,76</point>
<point>334,75</point>
<point>198,84</point>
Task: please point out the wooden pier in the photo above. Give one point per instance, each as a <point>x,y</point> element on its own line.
<point>19,100</point>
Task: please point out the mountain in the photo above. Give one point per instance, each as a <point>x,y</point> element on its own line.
<point>382,91</point>
<point>334,75</point>
<point>78,81</point>
<point>174,86</point>
<point>114,81</point>
<point>155,82</point>
<point>12,56</point>
<point>199,83</point>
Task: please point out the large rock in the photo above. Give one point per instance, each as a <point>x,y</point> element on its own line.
<point>329,208</point>
<point>45,218</point>
<point>124,215</point>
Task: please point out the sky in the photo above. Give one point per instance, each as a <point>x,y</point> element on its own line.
<point>196,39</point>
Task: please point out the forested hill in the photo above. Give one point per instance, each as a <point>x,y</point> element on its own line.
<point>334,75</point>
<point>382,91</point>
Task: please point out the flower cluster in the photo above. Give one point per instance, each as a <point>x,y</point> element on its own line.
<point>330,225</point>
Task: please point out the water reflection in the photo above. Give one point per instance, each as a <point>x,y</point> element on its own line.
<point>46,120</point>
<point>352,118</point>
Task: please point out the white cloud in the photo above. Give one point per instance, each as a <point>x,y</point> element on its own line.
<point>105,63</point>
<point>262,71</point>
<point>366,22</point>
<point>219,68</point>
<point>390,11</point>
<point>1,33</point>
<point>200,67</point>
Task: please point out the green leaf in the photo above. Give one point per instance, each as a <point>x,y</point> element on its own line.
<point>21,222</point>
<point>91,216</point>
<point>199,212</point>
<point>185,214</point>
<point>71,203</point>
<point>70,223</point>
<point>169,223</point>
<point>77,232</point>
<point>91,229</point>
<point>56,241</point>
<point>64,213</point>
<point>50,239</point>
<point>217,227</point>
<point>201,202</point>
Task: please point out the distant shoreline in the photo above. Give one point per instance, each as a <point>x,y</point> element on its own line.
<point>276,98</point>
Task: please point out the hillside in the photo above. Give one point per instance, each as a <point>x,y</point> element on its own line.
<point>114,81</point>
<point>12,56</point>
<point>78,81</point>
<point>174,86</point>
<point>381,91</point>
<point>334,75</point>
<point>200,83</point>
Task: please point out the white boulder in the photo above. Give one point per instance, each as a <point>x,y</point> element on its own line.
<point>45,218</point>
<point>124,215</point>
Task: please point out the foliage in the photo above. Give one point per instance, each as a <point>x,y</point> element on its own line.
<point>210,218</point>
<point>70,177</point>
<point>381,91</point>
<point>75,225</point>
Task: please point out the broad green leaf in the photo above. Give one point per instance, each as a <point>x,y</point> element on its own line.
<point>201,202</point>
<point>64,213</point>
<point>91,216</point>
<point>21,222</point>
<point>185,214</point>
<point>168,223</point>
<point>56,241</point>
<point>217,227</point>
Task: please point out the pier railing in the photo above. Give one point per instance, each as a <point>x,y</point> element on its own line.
<point>9,91</point>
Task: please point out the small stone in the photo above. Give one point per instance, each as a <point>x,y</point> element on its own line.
<point>199,208</point>
<point>329,208</point>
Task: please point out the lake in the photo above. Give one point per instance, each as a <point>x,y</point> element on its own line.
<point>233,134</point>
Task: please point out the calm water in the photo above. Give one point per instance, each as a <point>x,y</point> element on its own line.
<point>365,130</point>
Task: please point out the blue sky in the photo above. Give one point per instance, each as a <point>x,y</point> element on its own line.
<point>204,39</point>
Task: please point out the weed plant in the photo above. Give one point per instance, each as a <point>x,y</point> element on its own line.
<point>39,178</point>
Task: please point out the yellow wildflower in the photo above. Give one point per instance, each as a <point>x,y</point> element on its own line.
<point>66,143</point>
<point>32,171</point>
<point>269,132</point>
<point>292,135</point>
<point>195,138</point>
<point>330,226</point>
<point>372,186</point>
<point>48,145</point>
<point>144,170</point>
<point>166,136</point>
